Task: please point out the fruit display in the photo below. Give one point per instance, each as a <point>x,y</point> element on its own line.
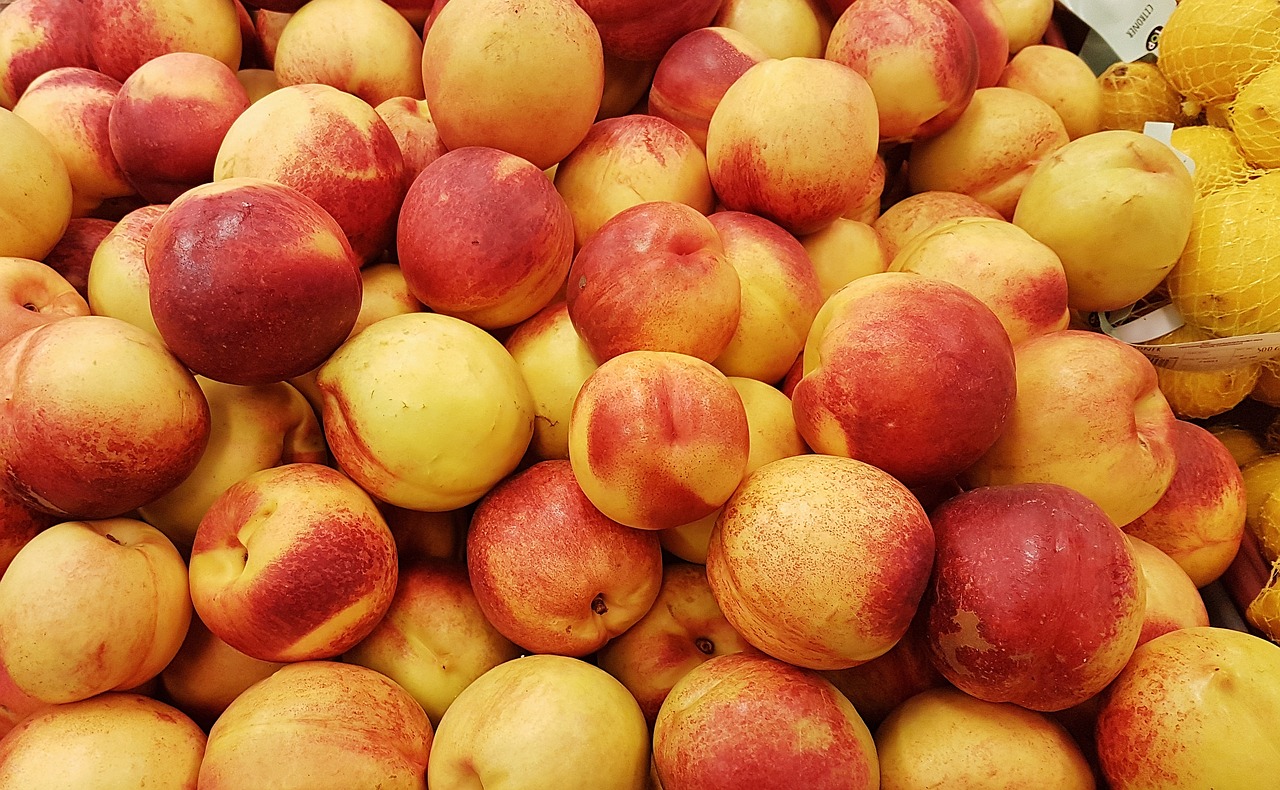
<point>595,394</point>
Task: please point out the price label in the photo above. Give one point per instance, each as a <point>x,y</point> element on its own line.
<point>1138,327</point>
<point>1131,28</point>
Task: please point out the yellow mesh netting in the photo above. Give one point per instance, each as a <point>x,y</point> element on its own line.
<point>1227,281</point>
<point>1197,394</point>
<point>1134,93</point>
<point>1255,118</point>
<point>1219,160</point>
<point>1209,48</point>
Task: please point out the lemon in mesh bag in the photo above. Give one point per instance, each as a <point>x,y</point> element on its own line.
<point>1227,280</point>
<point>1219,161</point>
<point>1134,93</point>
<point>1197,394</point>
<point>1255,118</point>
<point>1210,48</point>
<point>1267,388</point>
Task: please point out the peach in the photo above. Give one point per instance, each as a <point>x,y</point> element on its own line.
<point>1172,600</point>
<point>867,532</point>
<point>626,83</point>
<point>773,435</point>
<point>1135,198</point>
<point>127,33</point>
<point>644,29</point>
<point>364,47</point>
<point>776,725</point>
<point>915,214</point>
<point>484,236</point>
<point>948,738</point>
<point>626,161</point>
<point>425,411</point>
<point>169,119</point>
<point>882,348</point>
<point>920,58</point>
<point>292,563</point>
<point>866,207</point>
<point>1088,415</point>
<point>695,72</point>
<point>783,28</point>
<point>1035,598</point>
<point>657,439</point>
<point>879,686</point>
<point>1199,521</point>
<point>991,150</point>
<point>33,294</point>
<point>1063,80</point>
<point>780,296</point>
<point>257,83</point>
<point>1191,709</point>
<point>106,440</point>
<point>422,534</point>
<point>683,629</point>
<point>72,255</point>
<point>250,429</point>
<point>1019,278</point>
<point>38,36</point>
<point>19,523</point>
<point>1025,21</point>
<point>654,278</point>
<point>844,251</point>
<point>15,704</point>
<point>206,675</point>
<point>232,315</point>
<point>550,571</point>
<point>793,141</point>
<point>71,106</point>
<point>434,640</point>
<point>108,741</point>
<point>522,78</point>
<point>988,26</point>
<point>521,725</point>
<point>115,628</point>
<point>35,207</point>
<point>317,724</point>
<point>118,283</point>
<point>332,147</point>
<point>409,120</point>
<point>554,363</point>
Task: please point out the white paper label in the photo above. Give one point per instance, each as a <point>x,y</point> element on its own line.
<point>1163,131</point>
<point>1131,27</point>
<point>1137,328</point>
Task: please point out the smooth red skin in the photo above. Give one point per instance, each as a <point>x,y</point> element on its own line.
<point>63,469</point>
<point>66,40</point>
<point>1044,578</point>
<point>644,271</point>
<point>746,740</point>
<point>645,29</point>
<point>19,523</point>
<point>1207,477</point>
<point>165,144</point>
<point>532,537</point>
<point>73,253</point>
<point>987,22</point>
<point>467,239</point>
<point>692,77</point>
<point>235,315</point>
<point>934,28</point>
<point>333,562</point>
<point>882,684</point>
<point>920,379</point>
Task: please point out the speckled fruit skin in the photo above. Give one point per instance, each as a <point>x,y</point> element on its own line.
<point>752,721</point>
<point>234,315</point>
<point>820,561</point>
<point>339,725</point>
<point>658,439</point>
<point>907,373</point>
<point>1194,708</point>
<point>293,563</point>
<point>553,573</point>
<point>38,36</point>
<point>1035,598</point>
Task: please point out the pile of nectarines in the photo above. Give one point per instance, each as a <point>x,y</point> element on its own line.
<point>627,394</point>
